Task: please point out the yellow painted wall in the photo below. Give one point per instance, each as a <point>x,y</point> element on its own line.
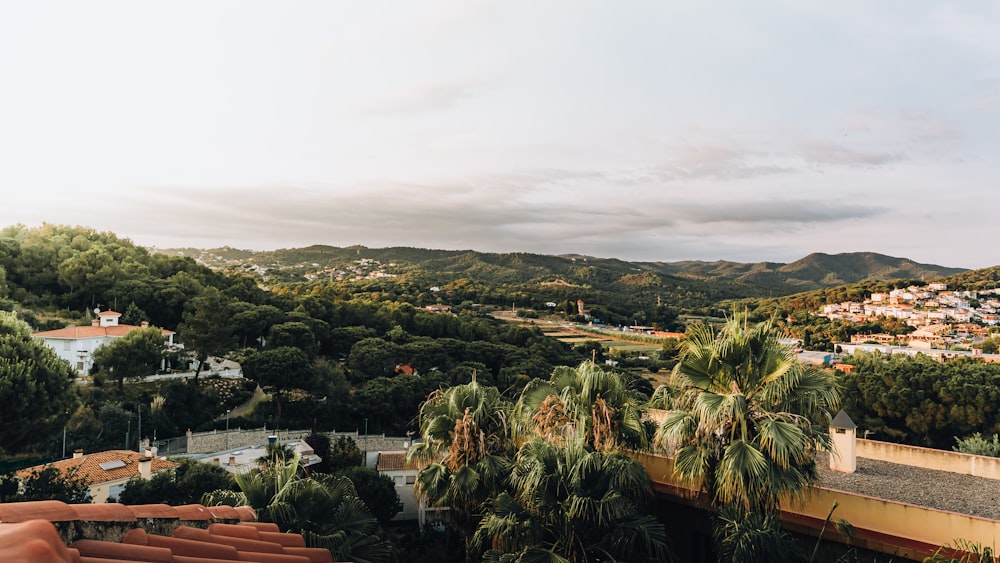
<point>942,460</point>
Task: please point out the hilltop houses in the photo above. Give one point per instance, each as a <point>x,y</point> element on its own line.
<point>76,344</point>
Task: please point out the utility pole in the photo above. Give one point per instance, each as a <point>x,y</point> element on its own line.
<point>227,428</point>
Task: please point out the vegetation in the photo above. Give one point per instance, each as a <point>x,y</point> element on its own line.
<point>920,401</point>
<point>184,484</point>
<point>37,388</point>
<point>325,509</point>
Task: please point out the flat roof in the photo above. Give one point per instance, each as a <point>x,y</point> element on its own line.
<point>943,490</point>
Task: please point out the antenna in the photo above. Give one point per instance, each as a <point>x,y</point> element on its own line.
<point>97,310</point>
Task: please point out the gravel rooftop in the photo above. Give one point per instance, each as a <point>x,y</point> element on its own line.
<point>975,496</point>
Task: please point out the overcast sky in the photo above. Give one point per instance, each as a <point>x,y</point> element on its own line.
<point>642,130</point>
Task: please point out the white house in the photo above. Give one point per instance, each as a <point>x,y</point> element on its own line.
<point>76,344</point>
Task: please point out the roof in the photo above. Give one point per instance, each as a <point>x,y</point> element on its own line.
<point>843,421</point>
<point>109,313</point>
<point>50,531</point>
<point>90,331</point>
<point>101,467</point>
<point>396,461</point>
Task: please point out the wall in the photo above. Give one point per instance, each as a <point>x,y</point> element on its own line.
<point>905,530</point>
<point>215,441</point>
<point>942,460</point>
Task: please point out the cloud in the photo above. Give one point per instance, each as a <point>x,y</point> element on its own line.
<point>421,98</point>
<point>823,152</point>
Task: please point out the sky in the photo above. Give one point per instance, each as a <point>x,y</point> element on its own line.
<point>642,130</point>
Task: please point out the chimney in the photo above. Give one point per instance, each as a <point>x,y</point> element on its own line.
<point>843,437</point>
<point>144,324</point>
<point>148,452</point>
<point>77,453</point>
<point>95,322</point>
<point>145,467</point>
<point>153,450</point>
<point>232,460</point>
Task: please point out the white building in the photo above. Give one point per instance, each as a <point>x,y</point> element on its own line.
<point>76,344</point>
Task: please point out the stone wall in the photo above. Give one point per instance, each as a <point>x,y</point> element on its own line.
<point>216,441</point>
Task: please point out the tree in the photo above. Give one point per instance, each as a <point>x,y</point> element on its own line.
<point>376,490</point>
<point>584,401</point>
<point>47,483</point>
<point>570,503</point>
<point>183,484</point>
<point>136,354</point>
<point>37,388</point>
<point>466,436</point>
<point>325,509</point>
<point>343,454</point>
<point>748,417</point>
<point>206,329</point>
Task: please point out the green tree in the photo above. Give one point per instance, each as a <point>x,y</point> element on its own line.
<point>584,401</point>
<point>570,503</point>
<point>343,454</point>
<point>47,483</point>
<point>325,509</point>
<point>183,484</point>
<point>206,329</point>
<point>136,354</point>
<point>466,437</point>
<point>748,417</point>
<point>37,388</point>
<point>376,490</point>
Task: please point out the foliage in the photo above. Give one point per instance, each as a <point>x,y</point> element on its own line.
<point>584,401</point>
<point>977,444</point>
<point>183,484</point>
<point>47,483</point>
<point>963,551</point>
<point>748,417</point>
<point>136,354</point>
<point>343,454</point>
<point>920,401</point>
<point>325,509</point>
<point>206,330</point>
<point>377,491</point>
<point>37,388</point>
<point>570,503</point>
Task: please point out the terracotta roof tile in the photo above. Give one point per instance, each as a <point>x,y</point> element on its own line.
<point>193,512</point>
<point>111,512</point>
<point>247,513</point>
<point>111,550</point>
<point>88,467</point>
<point>51,510</point>
<point>34,540</point>
<point>246,541</point>
<point>79,332</point>
<point>396,461</point>
<point>162,511</point>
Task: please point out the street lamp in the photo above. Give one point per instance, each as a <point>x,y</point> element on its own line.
<point>227,428</point>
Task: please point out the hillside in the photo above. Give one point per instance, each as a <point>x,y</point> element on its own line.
<point>815,271</point>
<point>684,284</point>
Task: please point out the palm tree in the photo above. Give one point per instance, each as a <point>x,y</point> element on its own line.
<point>570,503</point>
<point>584,400</point>
<point>325,509</point>
<point>465,436</point>
<point>747,417</point>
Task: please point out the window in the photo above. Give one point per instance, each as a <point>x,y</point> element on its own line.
<point>398,480</point>
<point>411,479</point>
<point>66,345</point>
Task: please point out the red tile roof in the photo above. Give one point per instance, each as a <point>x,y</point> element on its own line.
<point>396,461</point>
<point>27,535</point>
<point>78,332</point>
<point>88,467</point>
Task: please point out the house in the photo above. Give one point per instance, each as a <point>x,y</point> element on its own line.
<point>106,473</point>
<point>76,344</point>
<point>393,464</point>
<point>243,459</point>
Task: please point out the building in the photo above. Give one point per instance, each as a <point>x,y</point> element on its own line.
<point>403,473</point>
<point>76,344</point>
<point>106,473</point>
<point>245,458</point>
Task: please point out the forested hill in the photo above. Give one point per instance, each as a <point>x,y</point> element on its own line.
<point>815,271</point>
<point>729,279</point>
